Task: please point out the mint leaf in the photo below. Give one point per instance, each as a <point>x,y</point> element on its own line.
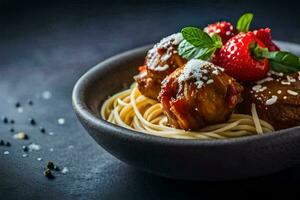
<point>197,37</point>
<point>208,54</point>
<point>189,51</point>
<point>217,40</point>
<point>244,22</point>
<point>198,44</point>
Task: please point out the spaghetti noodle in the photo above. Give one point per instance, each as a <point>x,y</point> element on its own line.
<point>132,110</point>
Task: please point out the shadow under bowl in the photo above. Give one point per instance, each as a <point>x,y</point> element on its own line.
<point>226,159</point>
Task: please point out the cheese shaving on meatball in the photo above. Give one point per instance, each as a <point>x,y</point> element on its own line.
<point>196,69</point>
<point>166,43</point>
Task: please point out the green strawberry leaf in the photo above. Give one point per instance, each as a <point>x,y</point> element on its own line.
<point>280,61</point>
<point>275,66</point>
<point>244,22</point>
<point>283,57</point>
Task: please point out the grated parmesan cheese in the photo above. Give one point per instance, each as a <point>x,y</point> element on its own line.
<point>285,83</point>
<point>166,43</point>
<point>162,68</point>
<point>290,79</point>
<point>291,92</point>
<point>197,69</point>
<point>256,87</point>
<point>272,100</point>
<point>264,80</point>
<point>277,73</point>
<point>210,81</point>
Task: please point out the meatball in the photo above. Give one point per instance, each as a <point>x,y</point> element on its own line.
<point>160,61</point>
<point>149,87</point>
<point>199,94</point>
<point>277,100</point>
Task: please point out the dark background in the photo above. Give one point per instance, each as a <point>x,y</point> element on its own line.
<point>49,45</point>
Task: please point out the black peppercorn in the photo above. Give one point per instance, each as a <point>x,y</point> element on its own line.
<point>32,121</point>
<point>56,168</point>
<point>48,174</point>
<point>25,148</point>
<point>42,130</point>
<point>1,142</point>
<point>12,130</point>
<point>50,165</point>
<point>12,121</point>
<point>30,102</point>
<point>8,144</point>
<point>5,120</point>
<point>17,104</point>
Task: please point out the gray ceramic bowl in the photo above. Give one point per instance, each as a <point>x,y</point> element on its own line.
<point>179,159</point>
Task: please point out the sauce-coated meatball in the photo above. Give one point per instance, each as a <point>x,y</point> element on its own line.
<point>160,61</point>
<point>277,99</point>
<point>199,94</point>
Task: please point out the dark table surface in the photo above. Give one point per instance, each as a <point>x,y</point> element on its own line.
<point>48,46</point>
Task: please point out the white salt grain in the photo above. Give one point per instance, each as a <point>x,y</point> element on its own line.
<point>20,110</point>
<point>64,170</point>
<point>46,95</point>
<point>61,121</point>
<point>34,147</point>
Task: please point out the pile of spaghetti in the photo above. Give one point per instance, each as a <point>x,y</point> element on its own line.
<point>130,109</point>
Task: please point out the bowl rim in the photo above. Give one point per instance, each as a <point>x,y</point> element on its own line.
<point>82,111</point>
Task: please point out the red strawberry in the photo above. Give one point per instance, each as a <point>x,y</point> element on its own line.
<point>264,34</point>
<point>237,60</point>
<point>224,29</point>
